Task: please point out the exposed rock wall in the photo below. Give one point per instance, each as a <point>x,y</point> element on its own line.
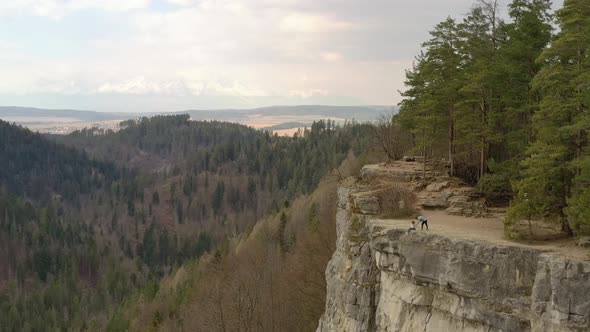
<point>380,279</point>
<point>352,279</point>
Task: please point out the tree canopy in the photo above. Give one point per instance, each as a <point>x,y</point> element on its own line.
<point>506,103</point>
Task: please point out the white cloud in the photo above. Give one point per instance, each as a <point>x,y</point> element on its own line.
<point>299,22</point>
<point>308,93</point>
<point>331,56</point>
<point>232,88</point>
<point>138,85</point>
<point>182,2</point>
<point>141,86</point>
<point>59,8</point>
<point>7,50</point>
<point>247,49</point>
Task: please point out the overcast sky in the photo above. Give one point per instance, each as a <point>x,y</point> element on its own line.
<point>168,55</point>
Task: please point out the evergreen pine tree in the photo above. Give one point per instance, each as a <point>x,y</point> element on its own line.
<point>557,160</point>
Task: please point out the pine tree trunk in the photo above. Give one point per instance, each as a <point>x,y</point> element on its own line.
<point>451,147</point>
<point>424,161</point>
<point>565,226</point>
<point>481,159</point>
<point>482,141</point>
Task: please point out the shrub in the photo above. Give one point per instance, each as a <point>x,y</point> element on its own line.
<point>396,202</point>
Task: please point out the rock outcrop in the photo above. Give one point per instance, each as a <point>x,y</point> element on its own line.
<point>382,279</point>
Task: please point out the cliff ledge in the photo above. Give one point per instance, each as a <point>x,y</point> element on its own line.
<point>382,279</point>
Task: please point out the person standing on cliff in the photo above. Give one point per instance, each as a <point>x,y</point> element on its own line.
<point>423,221</point>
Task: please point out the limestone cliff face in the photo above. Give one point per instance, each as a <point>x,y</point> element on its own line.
<point>380,279</point>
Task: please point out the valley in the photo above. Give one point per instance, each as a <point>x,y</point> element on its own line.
<point>177,199</point>
<point>94,220</point>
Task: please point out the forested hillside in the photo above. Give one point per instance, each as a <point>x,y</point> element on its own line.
<point>220,175</point>
<point>55,269</point>
<point>271,278</point>
<point>39,169</point>
<point>173,144</point>
<point>505,102</point>
<point>172,224</point>
<point>81,235</point>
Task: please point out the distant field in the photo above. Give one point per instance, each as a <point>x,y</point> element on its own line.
<point>283,120</point>
<point>38,120</point>
<point>286,132</point>
<point>264,121</point>
<point>64,128</point>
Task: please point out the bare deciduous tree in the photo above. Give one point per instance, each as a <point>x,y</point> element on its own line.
<point>390,137</point>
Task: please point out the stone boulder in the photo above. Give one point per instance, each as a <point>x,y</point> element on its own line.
<point>365,204</point>
<point>437,186</point>
<point>584,242</point>
<point>437,200</point>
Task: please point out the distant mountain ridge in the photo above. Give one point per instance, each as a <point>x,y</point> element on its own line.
<point>64,121</point>
<point>82,116</point>
<point>358,112</point>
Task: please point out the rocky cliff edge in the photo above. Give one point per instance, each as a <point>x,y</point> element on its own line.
<point>382,279</point>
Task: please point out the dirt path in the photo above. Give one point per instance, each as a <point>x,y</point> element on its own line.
<point>485,229</point>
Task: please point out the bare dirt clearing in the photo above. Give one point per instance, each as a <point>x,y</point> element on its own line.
<point>483,229</point>
<point>456,210</point>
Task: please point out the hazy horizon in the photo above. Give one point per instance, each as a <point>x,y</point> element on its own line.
<point>169,55</point>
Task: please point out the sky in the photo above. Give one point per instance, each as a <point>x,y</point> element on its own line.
<point>172,55</point>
